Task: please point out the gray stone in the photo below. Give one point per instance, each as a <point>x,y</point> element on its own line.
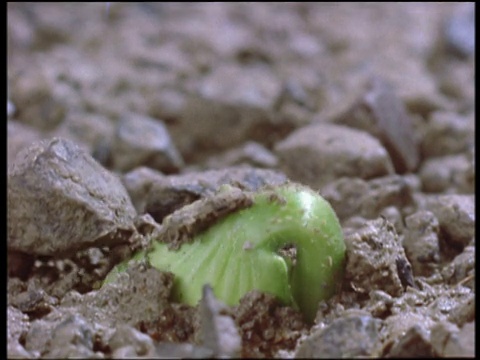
<point>321,153</point>
<point>450,341</point>
<point>352,336</point>
<point>421,242</point>
<point>379,111</point>
<point>19,136</point>
<point>232,104</point>
<point>459,30</point>
<point>456,215</point>
<point>447,133</point>
<point>414,344</point>
<point>251,153</point>
<point>17,324</point>
<point>163,195</point>
<point>448,174</point>
<point>61,200</point>
<point>217,332</point>
<point>376,260</point>
<point>143,141</point>
<point>357,197</point>
<point>126,336</point>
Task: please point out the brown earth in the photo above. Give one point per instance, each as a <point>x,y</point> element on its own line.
<point>120,115</point>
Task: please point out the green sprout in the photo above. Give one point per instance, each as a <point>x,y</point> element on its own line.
<point>288,243</point>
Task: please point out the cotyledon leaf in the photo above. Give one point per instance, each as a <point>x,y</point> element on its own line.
<point>288,243</point>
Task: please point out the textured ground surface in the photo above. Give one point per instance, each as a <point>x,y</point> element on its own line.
<point>121,114</point>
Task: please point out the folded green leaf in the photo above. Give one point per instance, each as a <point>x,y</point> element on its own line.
<point>288,243</point>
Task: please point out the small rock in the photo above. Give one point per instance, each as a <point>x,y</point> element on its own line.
<point>73,337</point>
<point>138,294</point>
<point>421,242</point>
<point>464,311</point>
<point>352,336</point>
<point>232,104</point>
<point>17,324</point>
<point>357,197</point>
<point>376,260</point>
<point>321,153</point>
<point>397,326</point>
<point>251,153</point>
<point>266,326</point>
<point>449,341</point>
<point>90,131</point>
<point>33,92</point>
<point>10,109</point>
<point>456,215</point>
<point>462,268</point>
<point>414,344</point>
<point>127,336</point>
<point>447,133</point>
<point>217,331</point>
<point>169,193</point>
<point>34,302</point>
<point>138,183</point>
<point>19,136</point>
<point>392,214</point>
<point>17,351</point>
<point>447,174</point>
<point>379,111</point>
<point>459,30</point>
<point>143,141</point>
<point>182,351</point>
<point>61,200</point>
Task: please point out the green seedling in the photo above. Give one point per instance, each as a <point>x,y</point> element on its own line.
<point>288,243</point>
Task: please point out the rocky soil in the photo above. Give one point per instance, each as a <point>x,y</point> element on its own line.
<point>121,114</point>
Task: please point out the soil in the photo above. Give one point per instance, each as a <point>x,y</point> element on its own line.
<point>124,117</point>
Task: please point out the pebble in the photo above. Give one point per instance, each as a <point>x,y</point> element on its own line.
<point>447,133</point>
<point>450,341</point>
<point>381,112</point>
<point>168,193</point>
<point>144,141</point>
<point>54,179</point>
<point>357,197</point>
<point>217,332</point>
<point>138,344</point>
<point>456,216</point>
<point>376,260</point>
<point>352,336</point>
<point>250,154</point>
<point>459,30</point>
<point>321,153</point>
<point>421,242</point>
<point>447,174</point>
<point>19,136</point>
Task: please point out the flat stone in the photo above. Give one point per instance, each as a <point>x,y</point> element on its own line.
<point>448,133</point>
<point>232,103</point>
<point>19,136</point>
<point>376,260</point>
<point>379,111</point>
<point>143,141</point>
<point>421,242</point>
<point>168,193</point>
<point>357,197</point>
<point>448,174</point>
<point>352,336</point>
<point>456,216</point>
<point>450,341</point>
<point>61,200</point>
<point>321,153</point>
<point>251,153</point>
